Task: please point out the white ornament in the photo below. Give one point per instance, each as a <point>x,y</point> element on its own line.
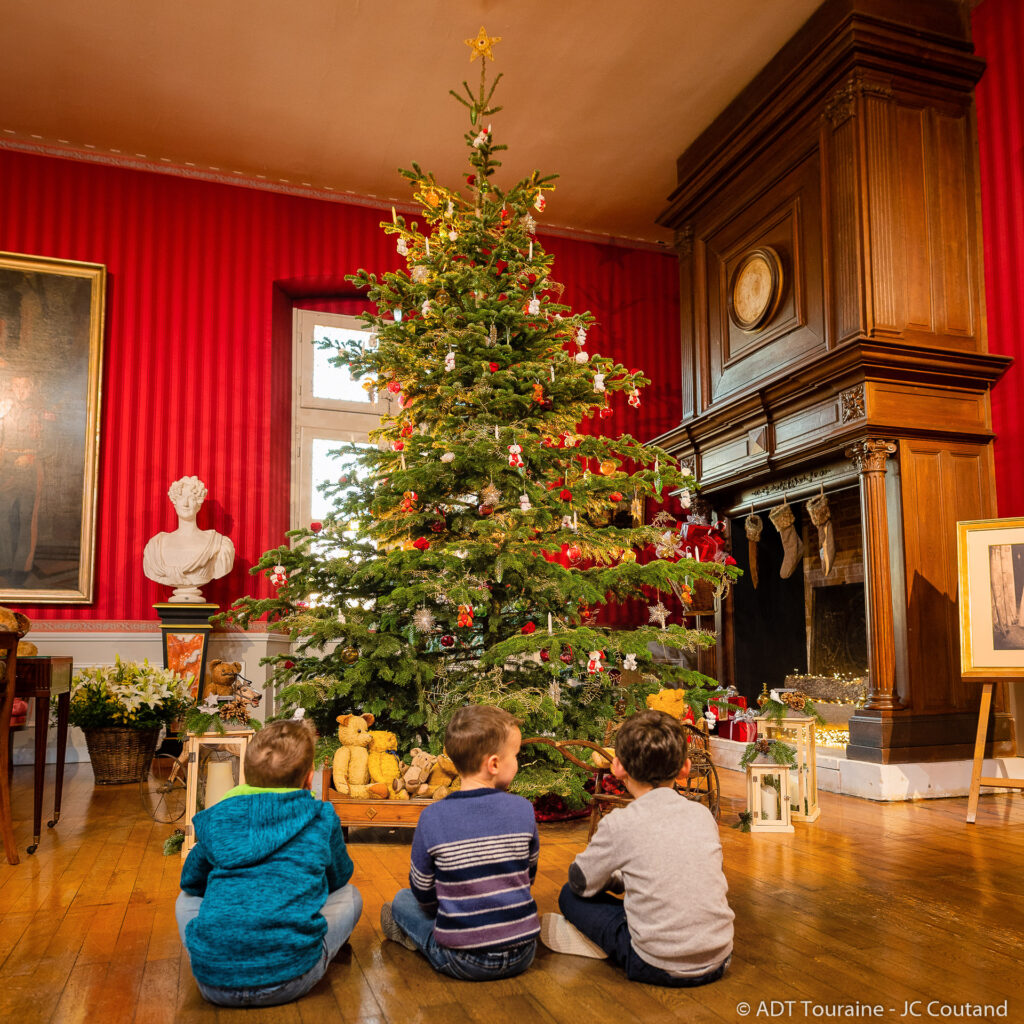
<point>425,308</point>
<point>448,457</point>
<point>634,398</point>
<point>453,235</point>
<point>567,523</point>
<point>540,202</point>
<point>581,357</point>
<point>594,664</point>
<point>684,499</point>
<point>524,503</point>
<point>529,224</point>
<point>298,714</point>
<point>423,620</point>
<point>403,246</point>
<point>581,336</point>
<point>534,307</point>
<point>629,663</point>
<point>669,545</point>
<point>420,274</point>
<point>515,457</point>
<point>449,362</point>
<point>599,382</point>
<point>481,137</point>
<point>657,613</point>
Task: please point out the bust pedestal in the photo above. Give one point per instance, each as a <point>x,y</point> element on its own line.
<point>185,629</point>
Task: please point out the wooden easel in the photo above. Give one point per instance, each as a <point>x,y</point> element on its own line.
<point>977,779</point>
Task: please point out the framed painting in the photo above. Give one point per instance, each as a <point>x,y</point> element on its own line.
<point>990,559</point>
<point>51,354</point>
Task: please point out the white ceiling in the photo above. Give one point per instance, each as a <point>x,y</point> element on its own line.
<point>337,94</point>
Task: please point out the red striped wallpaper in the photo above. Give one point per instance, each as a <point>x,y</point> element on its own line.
<point>197,374</point>
<point>998,27</point>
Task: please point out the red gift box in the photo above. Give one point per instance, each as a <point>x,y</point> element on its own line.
<point>741,732</point>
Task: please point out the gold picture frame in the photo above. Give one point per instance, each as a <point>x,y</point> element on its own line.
<point>990,563</point>
<point>51,363</point>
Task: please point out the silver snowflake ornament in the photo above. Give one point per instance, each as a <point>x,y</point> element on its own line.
<point>657,613</point>
<point>423,620</point>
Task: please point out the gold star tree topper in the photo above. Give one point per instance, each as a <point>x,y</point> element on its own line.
<point>481,45</point>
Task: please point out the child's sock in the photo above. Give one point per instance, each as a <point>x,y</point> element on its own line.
<point>392,931</point>
<point>559,935</point>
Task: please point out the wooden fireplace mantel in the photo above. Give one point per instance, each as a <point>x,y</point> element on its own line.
<point>849,169</point>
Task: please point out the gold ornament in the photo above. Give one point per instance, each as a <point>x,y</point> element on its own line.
<point>349,655</point>
<point>608,467</point>
<point>763,697</point>
<point>481,45</point>
<point>629,555</point>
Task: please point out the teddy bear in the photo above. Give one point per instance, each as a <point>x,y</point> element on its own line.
<point>383,764</point>
<point>220,677</point>
<point>413,778</point>
<point>443,778</point>
<point>671,701</point>
<point>352,759</point>
<point>16,622</point>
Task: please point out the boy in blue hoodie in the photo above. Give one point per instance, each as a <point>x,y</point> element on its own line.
<point>265,900</point>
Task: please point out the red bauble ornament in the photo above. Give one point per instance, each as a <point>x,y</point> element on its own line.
<point>545,656</point>
<point>532,278</point>
<point>493,367</point>
<point>316,526</point>
<point>529,628</point>
<point>566,656</point>
<point>289,664</point>
<point>394,387</point>
<point>421,543</point>
<point>447,640</point>
<point>438,525</point>
<point>500,267</point>
<point>566,495</point>
<point>407,430</point>
<point>397,446</point>
<point>615,496</point>
<point>573,553</point>
<point>606,412</point>
<point>470,179</point>
<point>485,510</point>
<point>502,297</point>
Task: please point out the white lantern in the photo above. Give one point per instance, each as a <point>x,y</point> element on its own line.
<point>768,796</point>
<point>798,731</point>
<point>214,764</point>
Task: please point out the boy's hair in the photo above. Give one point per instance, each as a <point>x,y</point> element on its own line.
<point>280,755</point>
<point>651,746</point>
<point>474,733</point>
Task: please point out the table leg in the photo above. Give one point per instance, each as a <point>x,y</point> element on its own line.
<point>63,708</point>
<point>39,768</point>
<point>979,752</point>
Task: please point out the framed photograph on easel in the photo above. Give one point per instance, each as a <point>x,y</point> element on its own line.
<point>990,559</point>
<point>990,565</point>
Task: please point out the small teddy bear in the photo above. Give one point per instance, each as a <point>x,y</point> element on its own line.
<point>383,764</point>
<point>220,677</point>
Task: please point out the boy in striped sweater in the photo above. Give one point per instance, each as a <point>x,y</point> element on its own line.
<point>474,856</point>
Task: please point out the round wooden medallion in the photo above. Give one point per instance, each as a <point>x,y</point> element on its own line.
<point>755,289</point>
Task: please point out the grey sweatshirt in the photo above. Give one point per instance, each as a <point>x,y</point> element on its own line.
<point>670,856</point>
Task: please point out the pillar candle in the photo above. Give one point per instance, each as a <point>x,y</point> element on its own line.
<point>769,803</point>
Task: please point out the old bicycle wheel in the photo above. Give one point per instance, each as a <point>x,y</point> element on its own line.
<point>702,784</point>
<point>163,789</point>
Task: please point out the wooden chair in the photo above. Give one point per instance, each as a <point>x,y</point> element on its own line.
<point>9,652</point>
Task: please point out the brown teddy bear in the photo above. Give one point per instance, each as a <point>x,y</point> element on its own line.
<point>413,779</point>
<point>443,778</point>
<point>383,764</point>
<point>220,677</point>
<point>352,759</point>
<point>671,701</point>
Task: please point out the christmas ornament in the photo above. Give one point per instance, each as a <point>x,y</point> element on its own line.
<point>573,552</point>
<point>566,657</point>
<point>615,497</point>
<point>566,494</point>
<point>453,235</point>
<point>545,655</point>
<point>594,662</point>
<point>534,306</point>
<point>470,179</point>
<point>423,620</point>
<point>397,446</point>
<point>555,691</point>
<point>425,308</point>
<point>529,628</point>
<point>606,412</point>
<point>407,430</point>
<point>530,227</point>
<point>484,510</point>
<point>598,387</point>
<point>581,336</point>
<point>493,367</point>
<point>447,640</point>
<point>394,387</point>
<point>506,219</point>
<point>397,314</point>
<point>538,393</point>
<point>515,457</point>
<point>448,456</point>
<point>492,336</point>
<point>752,527</point>
<point>634,398</point>
<point>408,501</point>
<point>420,274</point>
<point>669,545</point>
<point>581,357</point>
<point>403,246</point>
<point>821,516</point>
<point>567,522</point>
<point>481,137</point>
<point>629,555</point>
<point>465,615</point>
<point>657,613</point>
<point>793,547</point>
<point>449,362</point>
<point>524,503</point>
<point>349,655</point>
<point>629,663</point>
<point>540,202</point>
<point>607,467</point>
<point>421,543</point>
<point>279,576</point>
<point>490,495</point>
<point>316,526</point>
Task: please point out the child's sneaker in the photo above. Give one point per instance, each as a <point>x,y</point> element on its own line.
<point>392,931</point>
<point>559,935</point>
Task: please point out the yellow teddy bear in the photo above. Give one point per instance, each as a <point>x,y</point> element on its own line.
<point>672,702</point>
<point>352,758</point>
<point>382,763</point>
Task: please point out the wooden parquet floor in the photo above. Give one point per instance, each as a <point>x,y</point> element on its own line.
<point>881,904</point>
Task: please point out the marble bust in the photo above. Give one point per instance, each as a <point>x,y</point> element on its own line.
<point>187,558</point>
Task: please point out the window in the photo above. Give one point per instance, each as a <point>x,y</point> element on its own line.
<point>330,411</point>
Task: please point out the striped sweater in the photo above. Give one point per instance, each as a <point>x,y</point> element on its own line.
<point>474,856</point>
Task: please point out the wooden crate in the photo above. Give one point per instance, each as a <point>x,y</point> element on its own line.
<point>375,813</point>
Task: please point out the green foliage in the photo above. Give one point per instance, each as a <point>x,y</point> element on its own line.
<point>197,721</point>
<point>744,823</point>
<point>174,842</point>
<point>127,694</point>
<point>778,751</point>
<point>776,711</point>
<point>473,337</point>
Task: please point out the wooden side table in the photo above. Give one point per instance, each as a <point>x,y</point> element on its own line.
<point>39,679</point>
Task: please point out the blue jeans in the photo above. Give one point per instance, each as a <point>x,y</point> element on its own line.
<point>341,911</point>
<point>464,964</point>
<point>602,919</point>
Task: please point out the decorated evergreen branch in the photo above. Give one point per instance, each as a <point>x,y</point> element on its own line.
<point>779,752</point>
<point>776,711</point>
<point>469,555</point>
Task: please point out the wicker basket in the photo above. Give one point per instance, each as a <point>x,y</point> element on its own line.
<point>120,755</point>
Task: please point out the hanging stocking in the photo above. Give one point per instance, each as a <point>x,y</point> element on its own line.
<point>821,516</point>
<point>792,546</point>
<point>753,527</point>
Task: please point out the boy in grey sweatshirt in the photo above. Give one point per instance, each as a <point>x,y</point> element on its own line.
<point>673,925</point>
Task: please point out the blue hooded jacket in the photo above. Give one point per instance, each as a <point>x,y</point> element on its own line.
<point>264,863</point>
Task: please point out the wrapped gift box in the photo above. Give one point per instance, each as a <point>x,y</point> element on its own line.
<point>742,732</point>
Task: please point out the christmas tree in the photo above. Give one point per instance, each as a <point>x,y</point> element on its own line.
<point>470,553</point>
